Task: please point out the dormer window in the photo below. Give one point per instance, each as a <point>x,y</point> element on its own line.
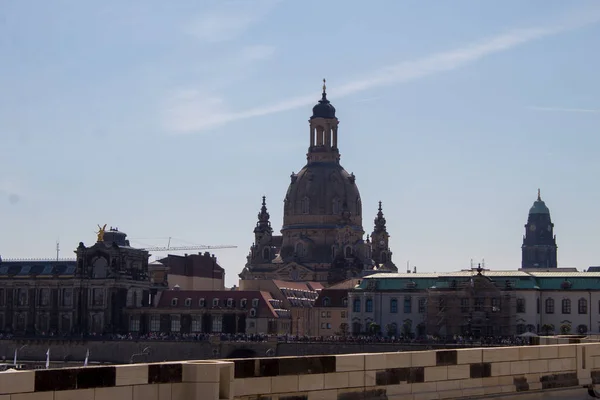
<point>215,302</point>
<point>254,302</point>
<point>188,302</point>
<point>174,302</point>
<point>326,302</point>
<point>243,303</point>
<point>201,303</point>
<point>229,302</point>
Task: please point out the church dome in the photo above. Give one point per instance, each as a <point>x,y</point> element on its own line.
<point>324,108</point>
<point>323,189</point>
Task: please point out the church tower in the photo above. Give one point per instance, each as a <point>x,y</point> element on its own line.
<point>381,253</point>
<point>539,242</point>
<point>263,248</point>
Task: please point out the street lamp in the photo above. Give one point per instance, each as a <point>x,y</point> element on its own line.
<point>16,351</point>
<point>143,353</point>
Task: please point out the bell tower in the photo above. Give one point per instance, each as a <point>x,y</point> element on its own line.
<point>380,244</point>
<point>539,242</point>
<point>263,234</point>
<point>323,132</point>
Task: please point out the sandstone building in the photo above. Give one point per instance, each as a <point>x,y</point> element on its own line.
<point>322,237</point>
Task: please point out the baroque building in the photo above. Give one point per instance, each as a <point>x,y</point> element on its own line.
<point>539,242</point>
<point>322,235</point>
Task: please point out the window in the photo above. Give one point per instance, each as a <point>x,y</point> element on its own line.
<point>521,306</point>
<point>566,306</point>
<point>479,302</point>
<point>254,303</point>
<point>495,304</point>
<point>358,206</point>
<point>407,304</point>
<point>305,205</point>
<point>266,254</point>
<point>393,306</point>
<point>22,297</point>
<point>464,305</point>
<point>44,297</point>
<point>174,301</point>
<point>243,303</point>
<point>201,302</point>
<point>369,305</point>
<point>134,324</point>
<point>422,305</point>
<point>67,298</point>
<point>549,306</point>
<point>300,249</point>
<point>196,323</point>
<point>336,206</point>
<point>1,302</point>
<point>348,252</point>
<point>582,306</point>
<point>333,252</point>
<point>356,305</point>
<point>328,314</point>
<point>326,302</point>
<point>175,323</point>
<point>215,303</point>
<point>188,302</point>
<point>383,257</point>
<point>344,302</point>
<point>538,305</point>
<point>155,323</point>
<point>229,302</point>
<point>217,323</point>
<point>343,314</point>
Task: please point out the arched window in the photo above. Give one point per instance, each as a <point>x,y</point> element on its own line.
<point>266,254</point>
<point>305,205</point>
<point>582,306</point>
<point>336,206</point>
<point>369,305</point>
<point>393,305</point>
<point>326,302</point>
<point>300,249</point>
<point>356,305</point>
<point>348,252</point>
<point>520,305</point>
<point>566,306</point>
<point>549,306</point>
<point>358,206</point>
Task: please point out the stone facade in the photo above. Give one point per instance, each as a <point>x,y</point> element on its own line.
<point>551,371</point>
<point>322,238</point>
<point>85,296</point>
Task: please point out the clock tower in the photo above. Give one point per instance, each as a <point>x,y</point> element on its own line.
<point>539,242</point>
<point>380,244</point>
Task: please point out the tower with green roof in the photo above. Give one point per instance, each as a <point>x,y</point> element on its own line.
<point>539,242</point>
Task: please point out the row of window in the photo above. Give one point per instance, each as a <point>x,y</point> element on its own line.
<point>215,303</point>
<point>21,297</point>
<point>582,306</point>
<point>336,206</point>
<point>407,305</point>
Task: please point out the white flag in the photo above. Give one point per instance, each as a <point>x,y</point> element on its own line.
<point>15,360</point>
<point>48,359</point>
<point>87,355</point>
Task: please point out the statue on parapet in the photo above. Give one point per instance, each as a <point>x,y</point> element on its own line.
<point>100,233</point>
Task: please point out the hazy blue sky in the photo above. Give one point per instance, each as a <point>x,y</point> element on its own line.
<point>174,118</point>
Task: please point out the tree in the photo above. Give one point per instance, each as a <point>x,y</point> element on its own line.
<point>565,329</point>
<point>374,328</point>
<point>547,328</point>
<point>407,328</point>
<point>391,329</point>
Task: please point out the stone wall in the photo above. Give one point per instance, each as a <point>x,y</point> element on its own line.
<point>534,372</point>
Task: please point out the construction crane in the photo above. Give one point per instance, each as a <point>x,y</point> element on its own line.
<point>184,248</point>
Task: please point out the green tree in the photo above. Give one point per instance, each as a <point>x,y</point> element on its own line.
<point>565,329</point>
<point>547,329</point>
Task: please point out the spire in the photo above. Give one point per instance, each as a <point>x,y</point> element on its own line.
<point>263,223</point>
<point>324,89</point>
<point>380,220</point>
<point>539,195</point>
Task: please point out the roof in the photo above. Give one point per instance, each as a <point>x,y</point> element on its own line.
<point>347,284</point>
<point>266,304</point>
<point>519,279</point>
<point>38,269</point>
<point>335,296</point>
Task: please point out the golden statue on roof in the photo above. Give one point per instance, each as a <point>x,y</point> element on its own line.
<point>100,233</point>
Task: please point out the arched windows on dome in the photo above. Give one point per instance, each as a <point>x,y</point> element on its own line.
<point>336,206</point>
<point>305,205</point>
<point>348,251</point>
<point>358,206</point>
<point>300,249</point>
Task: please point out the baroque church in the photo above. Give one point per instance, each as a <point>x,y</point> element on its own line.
<point>322,238</point>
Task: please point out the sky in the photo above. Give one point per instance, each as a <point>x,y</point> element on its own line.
<point>173,119</point>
